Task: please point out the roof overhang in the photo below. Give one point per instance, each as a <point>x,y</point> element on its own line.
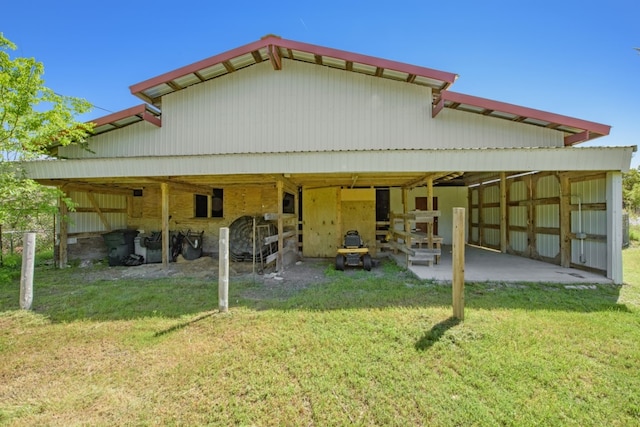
<point>575,130</point>
<point>345,168</point>
<point>274,49</point>
<point>120,119</point>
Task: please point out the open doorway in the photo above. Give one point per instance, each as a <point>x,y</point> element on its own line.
<point>421,204</point>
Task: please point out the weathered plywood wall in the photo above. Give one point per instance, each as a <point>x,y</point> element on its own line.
<point>320,225</point>
<point>238,201</point>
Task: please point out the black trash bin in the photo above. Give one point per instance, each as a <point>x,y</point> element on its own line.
<point>120,244</point>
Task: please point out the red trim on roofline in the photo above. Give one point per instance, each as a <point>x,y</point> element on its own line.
<point>370,60</point>
<point>588,130</point>
<point>273,41</point>
<point>141,111</point>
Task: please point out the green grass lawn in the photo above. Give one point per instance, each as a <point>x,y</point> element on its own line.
<point>355,349</point>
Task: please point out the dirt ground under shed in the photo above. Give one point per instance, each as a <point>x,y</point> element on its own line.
<point>301,274</point>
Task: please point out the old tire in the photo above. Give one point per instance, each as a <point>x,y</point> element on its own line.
<point>366,262</point>
<point>340,262</point>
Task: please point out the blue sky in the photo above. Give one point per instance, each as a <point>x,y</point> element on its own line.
<point>569,57</point>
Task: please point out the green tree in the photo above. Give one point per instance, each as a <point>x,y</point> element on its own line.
<point>631,190</point>
<point>33,120</point>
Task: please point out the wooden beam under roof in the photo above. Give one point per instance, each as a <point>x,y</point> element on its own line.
<point>85,187</point>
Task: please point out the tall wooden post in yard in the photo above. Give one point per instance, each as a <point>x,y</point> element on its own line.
<point>26,279</point>
<point>458,263</point>
<point>166,239</point>
<point>223,270</point>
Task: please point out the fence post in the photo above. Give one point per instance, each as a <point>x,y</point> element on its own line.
<point>458,263</point>
<point>223,270</point>
<point>26,279</point>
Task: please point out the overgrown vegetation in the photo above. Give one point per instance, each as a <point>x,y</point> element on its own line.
<point>634,232</point>
<point>33,120</point>
<point>356,348</point>
<point>631,191</point>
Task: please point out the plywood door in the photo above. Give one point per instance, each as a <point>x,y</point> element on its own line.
<point>320,224</point>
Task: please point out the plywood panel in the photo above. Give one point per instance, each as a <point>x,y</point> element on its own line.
<point>320,228</point>
<point>360,216</point>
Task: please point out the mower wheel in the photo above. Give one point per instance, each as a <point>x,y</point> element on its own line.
<point>340,262</point>
<point>366,262</point>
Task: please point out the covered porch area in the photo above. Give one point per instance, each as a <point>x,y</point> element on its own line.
<point>487,265</point>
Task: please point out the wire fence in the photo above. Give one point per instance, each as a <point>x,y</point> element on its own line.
<point>12,241</point>
<point>625,230</point>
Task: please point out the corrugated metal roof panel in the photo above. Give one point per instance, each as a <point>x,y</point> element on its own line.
<point>158,91</point>
<point>303,56</point>
<point>187,80</point>
<point>395,75</point>
<point>334,62</point>
<point>364,68</point>
<point>214,71</point>
<point>242,61</point>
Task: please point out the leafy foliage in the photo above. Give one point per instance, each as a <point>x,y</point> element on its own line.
<point>33,120</point>
<point>631,190</point>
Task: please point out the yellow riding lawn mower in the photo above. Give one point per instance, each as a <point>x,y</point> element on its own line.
<point>353,253</point>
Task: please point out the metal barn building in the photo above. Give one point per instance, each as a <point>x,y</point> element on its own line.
<point>323,141</point>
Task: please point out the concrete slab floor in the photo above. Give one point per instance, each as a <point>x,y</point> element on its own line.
<point>484,265</point>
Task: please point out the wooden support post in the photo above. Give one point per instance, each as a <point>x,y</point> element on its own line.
<point>458,263</point>
<point>223,271</point>
<point>26,279</point>
<point>280,260</point>
<point>471,207</point>
<point>407,223</point>
<point>613,185</point>
<point>254,240</point>
<point>166,239</point>
<point>565,221</point>
<point>504,220</point>
<point>532,249</point>
<point>64,229</point>
<point>480,215</point>
<point>296,201</point>
<point>430,208</point>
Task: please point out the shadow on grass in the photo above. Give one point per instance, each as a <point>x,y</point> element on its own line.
<point>435,333</point>
<point>63,296</point>
<point>182,325</point>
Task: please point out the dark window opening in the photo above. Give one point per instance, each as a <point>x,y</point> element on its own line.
<point>217,203</point>
<point>201,205</point>
<point>288,203</point>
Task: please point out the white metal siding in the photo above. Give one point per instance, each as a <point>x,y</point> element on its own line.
<point>304,107</point>
<point>518,241</point>
<point>82,222</point>
<point>138,139</point>
<point>548,186</point>
<point>547,245</point>
<point>491,215</point>
<point>518,191</point>
<point>593,222</point>
<point>491,237</point>
<point>548,216</point>
<point>599,158</point>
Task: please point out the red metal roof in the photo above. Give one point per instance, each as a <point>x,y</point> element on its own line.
<point>275,49</point>
<point>575,130</point>
<point>127,117</point>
